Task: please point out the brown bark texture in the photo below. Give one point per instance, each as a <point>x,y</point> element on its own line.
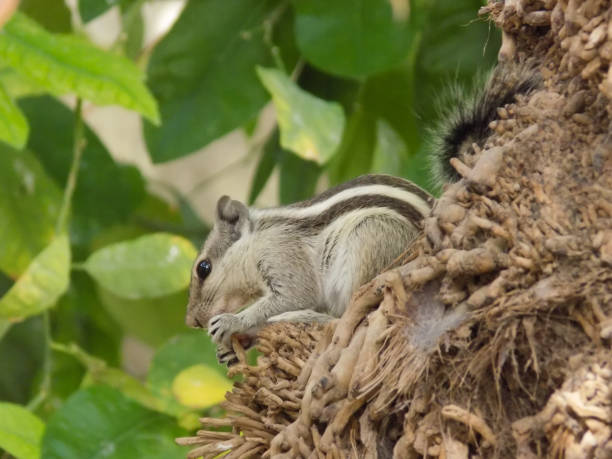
<point>493,338</point>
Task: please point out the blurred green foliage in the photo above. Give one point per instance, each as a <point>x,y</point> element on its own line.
<point>353,83</point>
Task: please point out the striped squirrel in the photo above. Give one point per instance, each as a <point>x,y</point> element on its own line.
<point>302,262</point>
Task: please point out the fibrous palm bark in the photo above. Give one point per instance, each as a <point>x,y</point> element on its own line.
<point>494,336</point>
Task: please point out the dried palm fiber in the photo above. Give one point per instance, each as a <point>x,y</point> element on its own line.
<point>493,338</point>
<point>268,398</point>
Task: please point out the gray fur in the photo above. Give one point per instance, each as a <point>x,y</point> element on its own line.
<point>301,262</point>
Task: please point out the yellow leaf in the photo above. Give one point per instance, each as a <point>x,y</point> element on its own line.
<point>199,386</point>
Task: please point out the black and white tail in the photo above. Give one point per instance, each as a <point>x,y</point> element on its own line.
<point>465,117</point>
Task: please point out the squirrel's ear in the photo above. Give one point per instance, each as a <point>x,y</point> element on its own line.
<point>230,211</point>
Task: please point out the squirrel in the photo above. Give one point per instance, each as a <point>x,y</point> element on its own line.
<point>302,262</point>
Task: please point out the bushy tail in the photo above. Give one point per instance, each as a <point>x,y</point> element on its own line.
<point>465,117</point>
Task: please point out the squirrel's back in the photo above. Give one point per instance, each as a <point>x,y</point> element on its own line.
<point>359,195</point>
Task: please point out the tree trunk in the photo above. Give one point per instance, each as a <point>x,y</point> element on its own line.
<point>493,338</point>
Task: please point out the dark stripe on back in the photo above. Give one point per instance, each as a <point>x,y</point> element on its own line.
<point>316,223</point>
<point>327,256</point>
<point>371,179</point>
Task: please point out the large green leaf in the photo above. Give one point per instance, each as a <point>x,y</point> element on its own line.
<point>67,64</point>
<point>147,267</point>
<point>310,127</point>
<point>106,193</point>
<point>203,74</point>
<point>184,357</point>
<point>13,125</point>
<point>152,320</point>
<point>20,431</point>
<point>101,422</point>
<point>29,204</point>
<point>353,37</point>
<point>40,286</point>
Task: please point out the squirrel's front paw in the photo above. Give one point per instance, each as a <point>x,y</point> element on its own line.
<point>221,328</point>
<point>226,355</point>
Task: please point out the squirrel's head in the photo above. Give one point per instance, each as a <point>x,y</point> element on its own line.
<point>217,280</point>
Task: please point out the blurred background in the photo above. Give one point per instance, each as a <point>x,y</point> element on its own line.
<point>122,122</point>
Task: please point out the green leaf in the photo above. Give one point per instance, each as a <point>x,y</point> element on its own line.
<point>202,73</point>
<point>133,27</point>
<point>21,357</point>
<point>53,15</point>
<point>454,47</point>
<point>270,156</point>
<point>388,151</point>
<point>147,267</point>
<point>353,38</point>
<point>417,169</point>
<point>390,96</point>
<point>20,431</point>
<point>91,9</point>
<point>153,320</point>
<point>183,352</point>
<point>5,284</point>
<point>13,125</point>
<point>67,64</point>
<point>354,156</point>
<point>16,84</point>
<point>298,178</point>
<point>80,317</point>
<point>454,40</point>
<point>101,373</point>
<point>40,286</point>
<point>283,37</point>
<point>107,193</point>
<point>29,204</point>
<point>310,127</point>
<point>101,422</point>
<point>5,326</point>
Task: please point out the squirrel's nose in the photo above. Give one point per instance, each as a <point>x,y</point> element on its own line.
<point>192,321</point>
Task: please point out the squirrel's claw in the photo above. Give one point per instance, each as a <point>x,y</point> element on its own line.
<point>221,328</point>
<point>226,356</point>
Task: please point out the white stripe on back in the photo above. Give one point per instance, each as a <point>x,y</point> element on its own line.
<point>316,209</point>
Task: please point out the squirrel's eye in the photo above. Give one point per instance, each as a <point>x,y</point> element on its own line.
<point>204,268</point>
